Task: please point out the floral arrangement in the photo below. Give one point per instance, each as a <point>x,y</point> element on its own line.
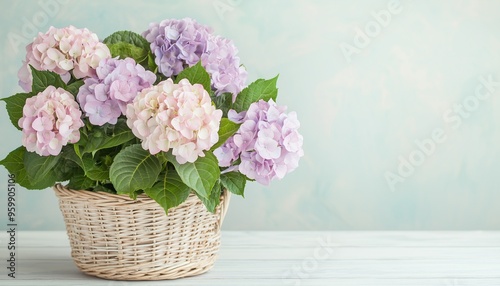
<point>163,113</point>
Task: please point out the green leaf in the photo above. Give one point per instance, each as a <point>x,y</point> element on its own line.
<point>127,50</point>
<point>75,87</point>
<point>259,89</point>
<point>40,168</point>
<point>170,191</point>
<point>66,169</point>
<point>162,157</point>
<point>127,37</point>
<point>213,200</point>
<point>15,106</point>
<point>69,153</point>
<point>200,175</point>
<point>99,139</point>
<point>151,65</point>
<point>95,172</point>
<point>234,182</point>
<point>223,102</point>
<point>14,163</point>
<point>129,44</point>
<point>84,138</point>
<point>133,195</point>
<point>81,182</point>
<point>196,74</point>
<point>107,188</point>
<point>134,169</point>
<point>43,79</point>
<point>226,129</point>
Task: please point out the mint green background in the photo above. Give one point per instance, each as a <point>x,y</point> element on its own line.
<point>358,117</point>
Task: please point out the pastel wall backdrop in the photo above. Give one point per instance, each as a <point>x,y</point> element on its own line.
<point>399,103</point>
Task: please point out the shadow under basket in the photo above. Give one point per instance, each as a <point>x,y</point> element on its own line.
<point>115,237</point>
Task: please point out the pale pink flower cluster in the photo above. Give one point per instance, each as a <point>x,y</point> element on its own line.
<point>179,116</point>
<point>61,51</point>
<point>267,146</point>
<point>51,119</point>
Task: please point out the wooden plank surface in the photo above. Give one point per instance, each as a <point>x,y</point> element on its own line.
<point>295,258</point>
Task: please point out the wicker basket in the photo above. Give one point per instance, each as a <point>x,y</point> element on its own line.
<point>115,237</point>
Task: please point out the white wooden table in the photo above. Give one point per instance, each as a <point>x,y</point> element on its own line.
<point>294,258</point>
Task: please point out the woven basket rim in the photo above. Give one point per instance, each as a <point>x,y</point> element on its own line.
<point>86,195</point>
<point>126,197</point>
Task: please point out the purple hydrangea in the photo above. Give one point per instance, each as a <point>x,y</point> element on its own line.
<point>105,97</point>
<point>268,143</point>
<point>222,63</point>
<point>177,44</point>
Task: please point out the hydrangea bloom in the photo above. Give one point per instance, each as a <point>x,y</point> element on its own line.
<point>105,97</point>
<point>178,44</point>
<point>268,143</point>
<point>223,65</point>
<point>61,51</point>
<point>51,119</point>
<point>179,116</point>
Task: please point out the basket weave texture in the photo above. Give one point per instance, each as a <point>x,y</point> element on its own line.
<point>115,237</point>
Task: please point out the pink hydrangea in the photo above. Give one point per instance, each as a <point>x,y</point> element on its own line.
<point>268,143</point>
<point>179,116</point>
<point>61,51</point>
<point>105,97</point>
<point>51,119</point>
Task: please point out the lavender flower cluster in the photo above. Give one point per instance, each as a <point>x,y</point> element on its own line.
<point>105,97</point>
<point>268,143</point>
<point>178,44</point>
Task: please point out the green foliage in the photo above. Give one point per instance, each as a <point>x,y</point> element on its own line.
<point>169,191</point>
<point>234,182</point>
<point>223,102</point>
<point>127,37</point>
<point>259,89</point>
<point>40,169</point>
<point>15,106</point>
<point>214,199</point>
<point>107,136</point>
<point>32,171</point>
<point>126,50</point>
<point>43,79</point>
<point>200,175</point>
<point>75,87</point>
<point>125,44</point>
<point>226,129</point>
<point>134,169</point>
<point>196,74</point>
<point>80,182</point>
